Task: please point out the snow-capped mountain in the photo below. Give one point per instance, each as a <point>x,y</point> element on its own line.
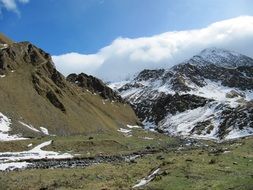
<point>207,96</point>
<point>221,57</point>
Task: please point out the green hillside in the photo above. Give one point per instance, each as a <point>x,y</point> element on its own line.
<point>35,93</point>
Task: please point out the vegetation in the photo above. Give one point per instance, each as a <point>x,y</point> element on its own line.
<point>183,164</point>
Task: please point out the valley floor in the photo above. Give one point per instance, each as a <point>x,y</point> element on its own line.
<point>142,160</point>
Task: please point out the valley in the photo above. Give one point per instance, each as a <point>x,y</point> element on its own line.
<point>185,127</point>
<point>100,163</point>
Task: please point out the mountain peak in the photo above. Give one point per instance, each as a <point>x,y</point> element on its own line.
<point>21,54</point>
<point>217,52</point>
<point>221,57</point>
<point>207,96</point>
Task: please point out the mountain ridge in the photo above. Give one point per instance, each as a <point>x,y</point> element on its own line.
<point>221,57</point>
<point>34,94</point>
<point>154,94</point>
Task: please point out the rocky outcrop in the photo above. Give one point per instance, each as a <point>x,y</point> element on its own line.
<point>149,74</point>
<point>172,104</point>
<point>240,117</point>
<point>23,54</point>
<point>94,85</point>
<point>239,77</point>
<point>167,104</point>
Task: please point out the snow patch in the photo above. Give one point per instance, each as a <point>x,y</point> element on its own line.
<point>29,145</point>
<point>183,123</point>
<point>148,138</point>
<point>13,160</point>
<point>249,95</point>
<point>133,126</point>
<point>237,133</point>
<point>5,124</point>
<point>122,130</point>
<point>117,85</point>
<point>35,154</point>
<point>151,126</point>
<point>131,158</point>
<point>29,126</point>
<point>126,132</point>
<point>218,92</point>
<point>147,179</point>
<point>13,165</point>
<point>44,130</point>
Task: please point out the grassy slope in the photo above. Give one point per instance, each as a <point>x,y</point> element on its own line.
<point>85,114</point>
<point>189,168</point>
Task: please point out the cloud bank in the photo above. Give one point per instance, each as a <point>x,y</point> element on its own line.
<point>125,57</point>
<point>11,5</point>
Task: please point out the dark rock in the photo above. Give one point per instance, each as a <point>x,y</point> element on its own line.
<point>165,173</point>
<point>149,74</point>
<point>94,85</point>
<point>160,157</point>
<point>158,109</point>
<point>212,161</point>
<point>55,101</point>
<point>43,74</point>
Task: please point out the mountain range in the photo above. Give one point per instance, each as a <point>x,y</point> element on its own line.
<point>208,96</point>
<point>76,132</point>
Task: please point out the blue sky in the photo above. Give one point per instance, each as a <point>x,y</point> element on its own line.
<point>85,26</point>
<point>115,39</point>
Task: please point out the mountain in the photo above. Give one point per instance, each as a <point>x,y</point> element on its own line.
<point>36,99</point>
<point>208,96</point>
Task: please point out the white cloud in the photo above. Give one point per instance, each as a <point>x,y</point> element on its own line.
<point>124,56</point>
<point>77,63</point>
<point>11,5</point>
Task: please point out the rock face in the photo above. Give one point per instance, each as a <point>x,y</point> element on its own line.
<point>207,96</point>
<point>35,93</point>
<point>94,85</point>
<point>23,54</point>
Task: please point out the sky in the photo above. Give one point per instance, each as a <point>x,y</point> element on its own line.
<point>114,39</point>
